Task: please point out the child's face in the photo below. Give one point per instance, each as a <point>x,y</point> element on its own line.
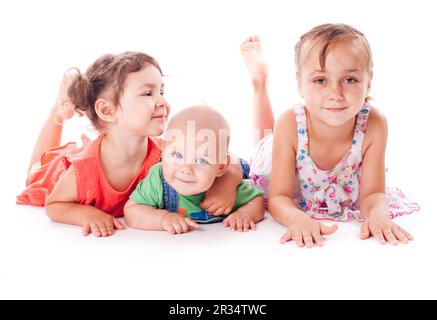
<point>143,108</point>
<point>335,95</point>
<point>192,169</point>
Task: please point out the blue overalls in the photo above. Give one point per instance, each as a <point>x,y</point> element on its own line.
<point>171,199</point>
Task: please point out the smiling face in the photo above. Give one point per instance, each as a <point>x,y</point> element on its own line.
<point>195,151</point>
<point>143,108</point>
<point>336,93</point>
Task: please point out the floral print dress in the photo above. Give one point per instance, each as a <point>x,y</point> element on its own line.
<point>333,194</point>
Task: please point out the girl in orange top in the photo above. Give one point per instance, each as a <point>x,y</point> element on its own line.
<point>88,186</point>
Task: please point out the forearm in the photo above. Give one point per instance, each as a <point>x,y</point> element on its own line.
<point>255,208</point>
<point>143,217</point>
<point>375,203</point>
<point>69,212</point>
<point>283,209</point>
<point>233,176</point>
<point>263,119</point>
<point>49,137</point>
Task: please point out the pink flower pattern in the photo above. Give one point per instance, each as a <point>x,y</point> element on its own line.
<point>330,194</point>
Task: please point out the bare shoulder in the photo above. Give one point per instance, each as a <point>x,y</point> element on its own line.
<point>285,127</point>
<point>377,128</point>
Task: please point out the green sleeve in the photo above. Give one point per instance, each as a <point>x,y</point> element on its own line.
<point>246,192</point>
<point>150,191</point>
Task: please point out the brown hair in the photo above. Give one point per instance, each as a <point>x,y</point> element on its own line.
<point>323,36</point>
<point>106,75</point>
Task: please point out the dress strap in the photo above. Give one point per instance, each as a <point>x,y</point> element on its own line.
<point>302,132</point>
<point>361,127</point>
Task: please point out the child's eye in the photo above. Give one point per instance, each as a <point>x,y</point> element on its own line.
<point>177,155</point>
<point>162,93</point>
<point>202,161</point>
<point>147,94</point>
<point>319,81</point>
<point>350,80</point>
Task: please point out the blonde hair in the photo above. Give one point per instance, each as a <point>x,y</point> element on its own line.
<point>323,36</point>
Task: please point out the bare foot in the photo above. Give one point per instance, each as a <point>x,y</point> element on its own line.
<point>252,54</point>
<point>64,108</point>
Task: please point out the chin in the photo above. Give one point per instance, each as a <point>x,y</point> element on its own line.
<point>186,190</point>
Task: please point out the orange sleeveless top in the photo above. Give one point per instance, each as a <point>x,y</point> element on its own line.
<point>92,186</point>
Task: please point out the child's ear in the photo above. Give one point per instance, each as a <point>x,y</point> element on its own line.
<point>223,167</point>
<point>162,145</point>
<point>105,110</point>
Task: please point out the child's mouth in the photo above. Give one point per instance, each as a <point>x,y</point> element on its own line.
<point>336,109</point>
<point>159,118</point>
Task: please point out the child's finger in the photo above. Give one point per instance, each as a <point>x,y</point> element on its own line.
<point>206,204</point>
<point>86,230</point>
<point>365,233</point>
<point>328,230</point>
<point>220,211</point>
<point>232,224</point>
<point>318,238</point>
<point>191,223</point>
<point>252,225</point>
<point>388,234</point>
<point>118,225</point>
<point>407,234</point>
<point>226,223</point>
<point>297,237</point>
<point>103,229</point>
<point>308,239</point>
<point>240,225</point>
<point>184,226</point>
<point>177,227</point>
<point>246,226</point>
<point>228,211</point>
<point>213,208</point>
<point>286,237</point>
<point>110,228</point>
<point>379,236</point>
<point>400,236</point>
<point>95,230</point>
<point>170,229</point>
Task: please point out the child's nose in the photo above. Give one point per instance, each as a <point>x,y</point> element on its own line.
<point>188,170</point>
<point>335,92</point>
<point>161,103</point>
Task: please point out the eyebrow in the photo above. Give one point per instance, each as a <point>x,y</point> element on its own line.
<point>149,85</point>
<point>345,71</point>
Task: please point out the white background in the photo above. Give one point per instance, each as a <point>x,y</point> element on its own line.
<point>197,45</point>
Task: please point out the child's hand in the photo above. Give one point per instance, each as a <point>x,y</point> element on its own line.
<point>384,230</point>
<point>253,57</point>
<point>64,109</point>
<point>306,232</point>
<point>175,224</point>
<point>241,221</point>
<point>219,200</point>
<point>101,225</point>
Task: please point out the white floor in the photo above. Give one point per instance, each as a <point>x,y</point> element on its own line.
<point>41,259</point>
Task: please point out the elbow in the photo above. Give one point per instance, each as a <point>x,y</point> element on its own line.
<point>260,205</point>
<point>128,216</point>
<point>271,206</point>
<point>52,212</point>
